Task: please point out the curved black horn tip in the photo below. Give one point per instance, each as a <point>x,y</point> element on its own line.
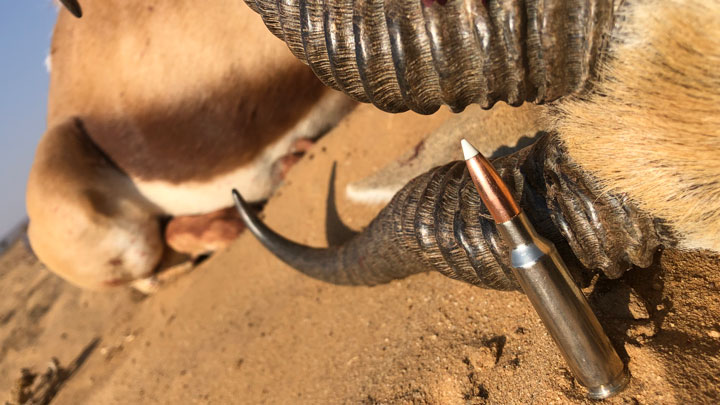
<point>253,223</point>
<point>285,249</point>
<point>73,7</point>
<point>242,206</point>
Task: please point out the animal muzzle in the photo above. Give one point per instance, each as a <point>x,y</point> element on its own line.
<point>421,54</point>
<point>437,222</point>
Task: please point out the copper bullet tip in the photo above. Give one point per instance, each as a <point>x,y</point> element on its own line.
<point>493,191</point>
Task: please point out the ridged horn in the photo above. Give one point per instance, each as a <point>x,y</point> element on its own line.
<point>419,55</point>
<point>438,222</point>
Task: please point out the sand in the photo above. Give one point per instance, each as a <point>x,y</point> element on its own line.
<point>244,328</point>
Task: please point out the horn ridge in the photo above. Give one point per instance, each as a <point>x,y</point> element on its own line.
<point>404,54</point>
<point>437,222</point>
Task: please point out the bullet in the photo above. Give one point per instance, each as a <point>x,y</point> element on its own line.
<point>547,283</point>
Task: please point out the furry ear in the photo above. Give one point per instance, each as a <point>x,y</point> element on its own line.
<point>651,127</point>
<point>496,132</point>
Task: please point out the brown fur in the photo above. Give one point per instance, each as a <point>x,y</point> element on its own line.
<point>159,109</point>
<point>149,80</point>
<point>651,128</point>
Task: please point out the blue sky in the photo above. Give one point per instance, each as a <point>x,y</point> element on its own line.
<point>25,31</point>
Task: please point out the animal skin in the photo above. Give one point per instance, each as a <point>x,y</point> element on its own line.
<point>629,164</point>
<point>158,110</point>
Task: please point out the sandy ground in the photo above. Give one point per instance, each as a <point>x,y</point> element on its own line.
<point>245,328</point>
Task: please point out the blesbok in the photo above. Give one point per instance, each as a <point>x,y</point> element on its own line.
<point>631,160</point>
<point>159,110</point>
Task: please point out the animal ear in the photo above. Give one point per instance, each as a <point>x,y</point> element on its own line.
<point>73,7</point>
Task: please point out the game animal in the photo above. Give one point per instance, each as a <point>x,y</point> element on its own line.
<point>158,110</point>
<point>630,161</point>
